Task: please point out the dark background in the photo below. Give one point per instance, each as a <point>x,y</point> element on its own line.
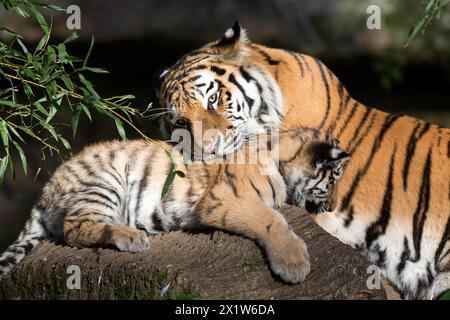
<point>135,38</point>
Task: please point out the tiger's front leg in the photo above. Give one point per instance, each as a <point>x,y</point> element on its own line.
<point>247,215</point>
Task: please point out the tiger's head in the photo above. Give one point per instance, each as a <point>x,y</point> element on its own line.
<point>216,88</point>
<point>312,171</point>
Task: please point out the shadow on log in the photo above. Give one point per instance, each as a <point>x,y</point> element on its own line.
<point>179,265</point>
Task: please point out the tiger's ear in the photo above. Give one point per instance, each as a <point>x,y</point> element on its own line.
<point>337,158</point>
<point>232,45</point>
<point>158,78</point>
<point>324,154</point>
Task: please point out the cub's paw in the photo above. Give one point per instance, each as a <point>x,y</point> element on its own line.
<point>130,240</point>
<point>290,261</point>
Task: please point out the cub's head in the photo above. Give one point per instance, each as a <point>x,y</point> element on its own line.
<point>217,87</point>
<point>312,174</point>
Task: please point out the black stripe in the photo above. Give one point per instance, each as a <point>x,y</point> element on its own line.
<point>143,183</point>
<point>349,218</point>
<point>256,189</point>
<point>379,226</point>
<point>448,149</point>
<point>406,255</point>
<point>271,188</point>
<point>361,172</point>
<point>218,71</point>
<point>231,178</point>
<point>157,222</point>
<point>327,90</point>
<point>211,85</point>
<point>358,127</point>
<point>347,120</point>
<point>266,56</point>
<point>233,80</point>
<point>299,63</point>
<point>90,185</point>
<point>362,135</point>
<point>100,195</point>
<point>423,203</point>
<point>444,239</point>
<point>410,150</point>
<point>342,106</point>
<point>99,202</point>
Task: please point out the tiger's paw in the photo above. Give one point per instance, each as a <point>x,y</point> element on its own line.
<point>291,261</point>
<point>130,240</point>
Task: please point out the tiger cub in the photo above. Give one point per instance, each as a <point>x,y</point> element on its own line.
<point>109,195</point>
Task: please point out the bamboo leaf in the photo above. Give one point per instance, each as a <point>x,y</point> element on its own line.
<point>74,120</point>
<point>120,128</point>
<point>86,111</point>
<point>21,12</point>
<point>73,36</point>
<point>4,134</point>
<point>3,167</point>
<point>23,158</point>
<point>169,179</point>
<point>40,19</point>
<point>88,53</point>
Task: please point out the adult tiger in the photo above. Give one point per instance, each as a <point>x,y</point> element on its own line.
<point>394,199</point>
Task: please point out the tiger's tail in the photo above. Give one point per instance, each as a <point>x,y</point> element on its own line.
<point>33,233</point>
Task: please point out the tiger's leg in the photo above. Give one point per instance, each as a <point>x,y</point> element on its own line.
<point>87,231</point>
<point>250,217</point>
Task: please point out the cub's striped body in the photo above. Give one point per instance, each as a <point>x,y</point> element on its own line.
<point>394,198</point>
<point>110,195</point>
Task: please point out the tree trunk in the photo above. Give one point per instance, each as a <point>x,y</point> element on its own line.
<point>179,265</point>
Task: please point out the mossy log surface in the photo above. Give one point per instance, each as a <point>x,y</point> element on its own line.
<point>180,265</point>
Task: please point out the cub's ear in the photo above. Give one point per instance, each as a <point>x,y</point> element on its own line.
<point>324,154</point>
<point>232,45</point>
<point>337,157</point>
<point>158,78</point>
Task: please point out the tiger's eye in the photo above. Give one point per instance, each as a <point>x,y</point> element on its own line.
<point>213,98</point>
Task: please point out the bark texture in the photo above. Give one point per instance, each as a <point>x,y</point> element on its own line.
<point>179,265</point>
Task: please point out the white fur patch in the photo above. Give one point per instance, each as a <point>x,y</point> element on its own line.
<point>229,33</point>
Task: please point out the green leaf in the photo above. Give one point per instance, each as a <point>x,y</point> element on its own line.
<point>4,134</point>
<point>169,179</point>
<point>180,174</point>
<point>11,166</point>
<point>10,32</point>
<point>3,166</point>
<point>20,11</point>
<point>86,111</point>
<point>429,5</point>
<point>22,45</point>
<point>88,53</point>
<point>62,53</point>
<point>94,70</point>
<point>51,113</point>
<point>52,7</point>
<point>73,36</point>
<point>445,295</point>
<point>8,103</point>
<point>22,156</point>
<point>67,82</point>
<point>14,131</point>
<point>120,128</point>
<point>65,143</point>
<point>41,108</point>
<point>40,19</point>
<point>27,89</point>
<point>414,30</point>
<point>75,119</point>
<point>43,42</point>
